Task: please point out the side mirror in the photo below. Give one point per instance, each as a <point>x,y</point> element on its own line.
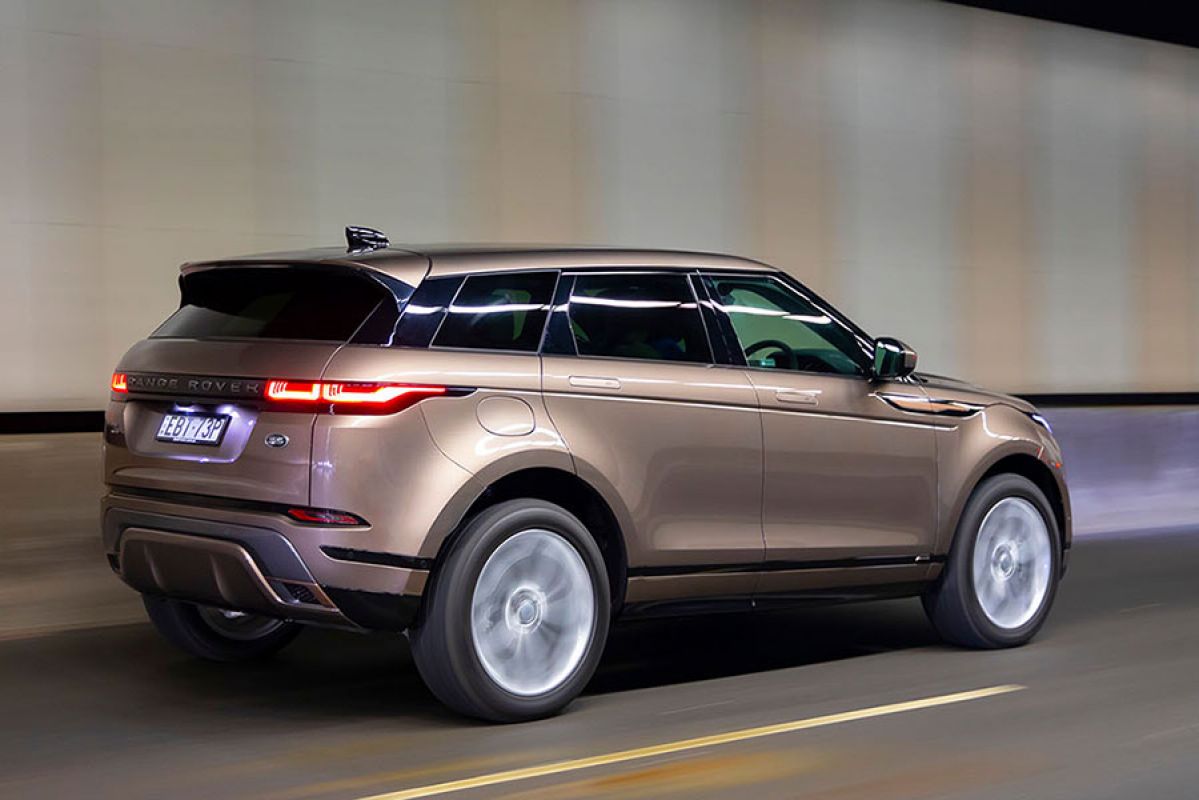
<point>892,359</point>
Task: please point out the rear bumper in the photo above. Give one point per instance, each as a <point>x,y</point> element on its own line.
<point>254,561</point>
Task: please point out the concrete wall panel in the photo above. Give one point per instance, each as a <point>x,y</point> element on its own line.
<point>1016,199</point>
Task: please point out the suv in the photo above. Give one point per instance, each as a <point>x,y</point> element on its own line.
<point>499,450</point>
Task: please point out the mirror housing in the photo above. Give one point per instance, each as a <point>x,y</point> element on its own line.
<point>892,359</point>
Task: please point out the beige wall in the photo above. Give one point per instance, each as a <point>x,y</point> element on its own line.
<point>1016,199</point>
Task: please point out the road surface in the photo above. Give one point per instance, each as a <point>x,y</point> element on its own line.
<point>1104,704</point>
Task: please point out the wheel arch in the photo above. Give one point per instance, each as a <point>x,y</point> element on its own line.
<point>1039,473</point>
<point>565,489</point>
<point>1027,466</point>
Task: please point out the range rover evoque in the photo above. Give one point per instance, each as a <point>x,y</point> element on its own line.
<point>499,450</point>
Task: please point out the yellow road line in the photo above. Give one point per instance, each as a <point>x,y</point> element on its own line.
<point>683,745</point>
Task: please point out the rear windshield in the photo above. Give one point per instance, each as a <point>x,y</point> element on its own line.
<point>318,304</point>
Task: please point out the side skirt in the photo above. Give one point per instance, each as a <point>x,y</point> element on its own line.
<point>701,590</point>
<point>654,609</point>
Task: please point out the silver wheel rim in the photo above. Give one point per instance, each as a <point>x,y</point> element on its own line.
<point>532,613</point>
<point>238,625</point>
<point>1012,562</point>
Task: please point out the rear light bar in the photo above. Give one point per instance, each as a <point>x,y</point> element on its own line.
<point>120,383</point>
<point>349,398</point>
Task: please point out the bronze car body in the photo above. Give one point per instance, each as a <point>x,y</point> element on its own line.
<point>708,477</point>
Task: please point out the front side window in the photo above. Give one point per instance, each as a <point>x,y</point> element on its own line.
<point>504,311</point>
<point>778,328</point>
<point>643,316</point>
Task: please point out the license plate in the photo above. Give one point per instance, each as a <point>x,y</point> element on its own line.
<point>192,429</point>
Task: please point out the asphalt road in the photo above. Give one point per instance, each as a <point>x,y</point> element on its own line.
<point>1109,708</point>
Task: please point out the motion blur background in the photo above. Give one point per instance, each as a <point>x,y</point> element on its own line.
<point>1015,198</point>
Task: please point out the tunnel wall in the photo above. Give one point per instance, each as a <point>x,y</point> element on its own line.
<point>1130,469</point>
<point>1015,198</point>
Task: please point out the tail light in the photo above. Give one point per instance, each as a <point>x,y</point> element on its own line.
<point>293,391</point>
<point>120,383</point>
<point>348,398</point>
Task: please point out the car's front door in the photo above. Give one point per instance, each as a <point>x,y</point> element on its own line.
<point>850,479</point>
<point>672,439</point>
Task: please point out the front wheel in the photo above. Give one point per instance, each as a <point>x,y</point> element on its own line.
<point>215,634</point>
<point>516,618</point>
<point>1003,568</point>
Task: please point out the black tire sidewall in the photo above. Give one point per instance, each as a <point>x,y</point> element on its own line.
<point>474,692</point>
<point>181,624</point>
<point>985,497</point>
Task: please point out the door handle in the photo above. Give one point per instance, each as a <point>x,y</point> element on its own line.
<point>585,382</point>
<point>810,397</point>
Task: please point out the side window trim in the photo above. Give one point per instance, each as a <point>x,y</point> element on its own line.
<point>426,339</point>
<point>557,338</point>
<point>445,313</point>
<point>716,345</point>
<point>721,325</point>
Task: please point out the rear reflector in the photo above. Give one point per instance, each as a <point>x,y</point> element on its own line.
<point>348,398</point>
<point>323,516</point>
<point>120,383</point>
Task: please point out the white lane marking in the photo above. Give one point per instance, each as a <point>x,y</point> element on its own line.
<point>1144,607</point>
<point>694,708</point>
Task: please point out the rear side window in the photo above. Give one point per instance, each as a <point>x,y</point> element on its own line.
<point>504,311</point>
<point>319,304</point>
<point>414,323</point>
<point>643,316</point>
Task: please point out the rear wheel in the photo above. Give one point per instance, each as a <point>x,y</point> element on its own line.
<point>1003,568</point>
<point>516,618</point>
<point>215,634</point>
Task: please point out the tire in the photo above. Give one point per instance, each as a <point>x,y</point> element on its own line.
<point>202,631</point>
<point>1000,596</point>
<point>516,566</point>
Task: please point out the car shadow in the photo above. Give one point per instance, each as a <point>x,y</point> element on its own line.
<point>656,652</point>
<point>328,673</point>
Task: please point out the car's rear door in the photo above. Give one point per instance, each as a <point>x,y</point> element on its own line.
<point>630,384</point>
<point>850,480</point>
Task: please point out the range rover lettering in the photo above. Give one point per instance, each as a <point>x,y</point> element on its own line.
<point>500,450</point>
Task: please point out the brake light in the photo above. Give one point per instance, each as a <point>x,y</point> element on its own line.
<point>351,398</point>
<point>359,394</point>
<point>120,383</point>
<point>293,391</point>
